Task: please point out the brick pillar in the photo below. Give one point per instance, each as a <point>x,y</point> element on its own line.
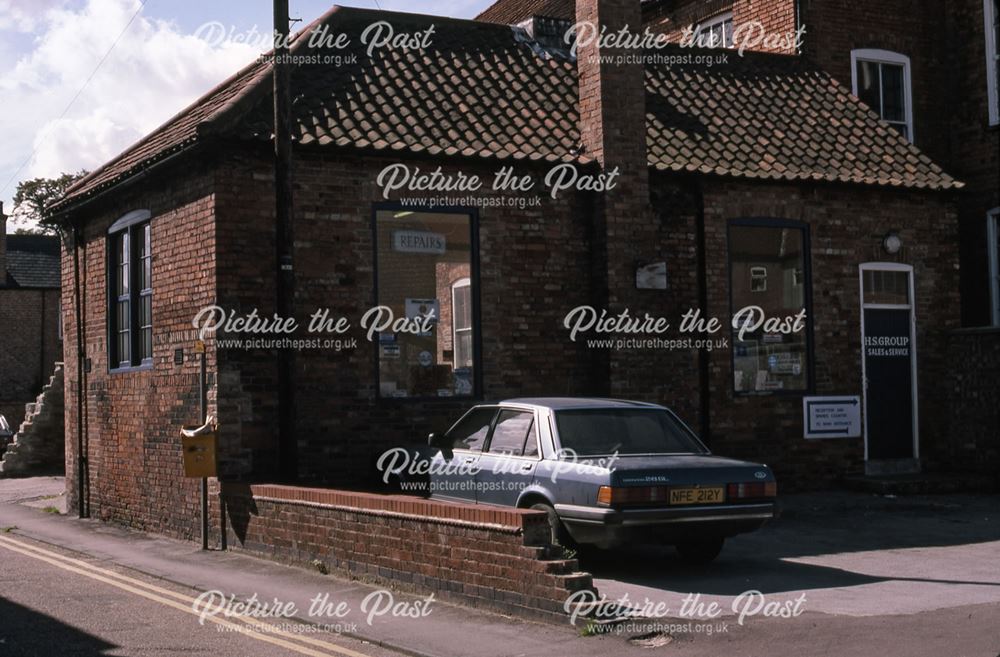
<point>613,131</point>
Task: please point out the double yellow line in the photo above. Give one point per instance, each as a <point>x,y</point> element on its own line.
<point>247,626</point>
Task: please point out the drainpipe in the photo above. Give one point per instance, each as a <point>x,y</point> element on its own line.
<point>704,386</point>
<point>41,340</point>
<point>284,242</point>
<point>798,22</point>
<point>81,376</point>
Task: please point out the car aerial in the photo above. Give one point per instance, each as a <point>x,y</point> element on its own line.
<point>607,473</point>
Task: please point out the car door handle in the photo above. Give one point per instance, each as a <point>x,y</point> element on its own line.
<point>527,467</point>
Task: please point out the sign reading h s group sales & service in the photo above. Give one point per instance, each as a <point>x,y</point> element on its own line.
<point>831,417</point>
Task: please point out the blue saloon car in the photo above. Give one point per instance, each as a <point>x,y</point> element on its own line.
<point>607,473</point>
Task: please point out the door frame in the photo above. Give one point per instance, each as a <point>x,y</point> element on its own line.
<point>912,307</point>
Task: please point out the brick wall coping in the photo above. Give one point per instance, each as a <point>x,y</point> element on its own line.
<point>502,519</point>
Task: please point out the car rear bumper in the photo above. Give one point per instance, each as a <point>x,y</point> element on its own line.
<point>609,527</point>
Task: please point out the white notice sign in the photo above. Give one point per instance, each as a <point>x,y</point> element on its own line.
<point>832,417</point>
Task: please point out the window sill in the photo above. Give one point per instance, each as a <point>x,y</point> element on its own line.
<point>772,393</point>
<point>131,368</point>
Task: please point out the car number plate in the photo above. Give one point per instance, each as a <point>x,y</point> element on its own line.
<point>696,495</point>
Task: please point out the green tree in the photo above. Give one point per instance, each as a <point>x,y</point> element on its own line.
<point>33,197</point>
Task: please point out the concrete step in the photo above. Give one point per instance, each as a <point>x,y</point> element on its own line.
<point>39,443</point>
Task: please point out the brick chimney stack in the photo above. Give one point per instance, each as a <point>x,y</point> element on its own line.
<point>613,131</point>
<point>612,93</point>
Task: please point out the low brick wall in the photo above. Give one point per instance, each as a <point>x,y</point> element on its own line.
<point>491,558</point>
<point>973,439</point>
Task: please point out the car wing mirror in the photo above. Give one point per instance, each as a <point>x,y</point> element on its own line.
<point>438,440</point>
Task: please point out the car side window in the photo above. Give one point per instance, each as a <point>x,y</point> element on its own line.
<point>509,434</point>
<point>470,432</point>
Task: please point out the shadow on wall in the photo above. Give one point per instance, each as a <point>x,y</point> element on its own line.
<point>240,506</point>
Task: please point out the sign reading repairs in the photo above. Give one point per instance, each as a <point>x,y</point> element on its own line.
<point>416,241</point>
<point>831,417</point>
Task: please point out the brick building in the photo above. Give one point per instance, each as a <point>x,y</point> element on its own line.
<point>30,331</point>
<point>755,181</point>
<point>929,69</point>
<point>936,60</point>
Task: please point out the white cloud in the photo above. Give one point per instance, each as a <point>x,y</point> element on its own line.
<point>153,72</point>
<point>24,15</point>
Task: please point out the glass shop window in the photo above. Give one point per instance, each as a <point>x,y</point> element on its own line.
<point>425,276</point>
<point>768,270</point>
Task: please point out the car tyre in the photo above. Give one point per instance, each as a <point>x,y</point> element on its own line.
<point>700,551</point>
<point>559,536</point>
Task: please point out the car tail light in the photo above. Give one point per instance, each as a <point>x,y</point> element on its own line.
<point>612,496</point>
<point>752,490</point>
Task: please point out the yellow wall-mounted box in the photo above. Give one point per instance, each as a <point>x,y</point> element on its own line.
<point>199,455</point>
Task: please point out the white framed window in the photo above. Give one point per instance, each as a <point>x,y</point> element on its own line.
<point>461,313</point>
<point>993,244</point>
<point>130,292</point>
<point>881,79</point>
<point>991,18</point>
<point>717,31</point>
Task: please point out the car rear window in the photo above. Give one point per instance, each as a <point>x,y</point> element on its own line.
<point>590,432</point>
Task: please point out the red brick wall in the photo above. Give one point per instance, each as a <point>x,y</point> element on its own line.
<point>775,17</point>
<point>30,347</point>
<point>846,226</point>
<point>975,148</point>
<point>447,275</point>
<point>836,27</point>
<point>485,557</point>
<point>526,287</point>
<point>974,418</point>
<point>612,125</point>
<point>134,418</point>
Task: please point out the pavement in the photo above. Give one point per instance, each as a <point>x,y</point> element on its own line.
<point>850,555</point>
<point>876,575</point>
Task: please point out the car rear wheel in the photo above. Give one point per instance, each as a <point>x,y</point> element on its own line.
<point>559,536</point>
<point>700,551</point>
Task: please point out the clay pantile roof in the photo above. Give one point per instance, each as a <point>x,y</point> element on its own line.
<point>476,91</point>
<point>774,117</point>
<point>480,90</point>
<point>32,261</point>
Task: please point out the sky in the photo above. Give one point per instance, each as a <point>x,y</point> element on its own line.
<point>171,53</point>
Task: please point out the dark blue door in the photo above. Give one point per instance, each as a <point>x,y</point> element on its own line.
<point>888,354</point>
